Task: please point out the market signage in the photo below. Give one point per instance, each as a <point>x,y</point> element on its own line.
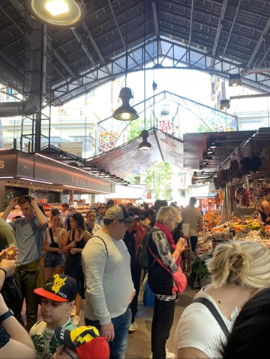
<point>8,164</point>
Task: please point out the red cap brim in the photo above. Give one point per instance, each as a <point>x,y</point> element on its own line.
<point>49,295</point>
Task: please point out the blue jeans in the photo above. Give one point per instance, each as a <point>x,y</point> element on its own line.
<point>121,324</point>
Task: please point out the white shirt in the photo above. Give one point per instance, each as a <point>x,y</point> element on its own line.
<point>191,215</point>
<point>197,328</point>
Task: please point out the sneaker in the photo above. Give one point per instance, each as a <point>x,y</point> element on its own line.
<point>76,320</point>
<point>133,327</point>
<point>169,355</point>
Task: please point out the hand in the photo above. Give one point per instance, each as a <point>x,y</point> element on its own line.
<point>107,331</point>
<point>3,306</point>
<point>59,250</point>
<point>73,251</point>
<point>9,265</point>
<point>33,201</point>
<point>12,253</point>
<point>181,244</point>
<point>14,202</point>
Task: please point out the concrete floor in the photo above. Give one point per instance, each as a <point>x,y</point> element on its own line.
<point>139,341</point>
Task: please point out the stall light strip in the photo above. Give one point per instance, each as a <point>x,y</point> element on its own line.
<point>32,180</point>
<point>87,189</point>
<point>64,164</point>
<point>6,177</point>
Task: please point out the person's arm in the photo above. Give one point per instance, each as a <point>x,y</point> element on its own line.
<point>20,345</point>
<point>7,234</point>
<point>66,246</point>
<point>94,258</point>
<point>8,265</point>
<point>164,250</point>
<point>40,216</point>
<point>200,224</point>
<point>191,353</point>
<point>47,248</point>
<point>62,238</point>
<point>9,208</point>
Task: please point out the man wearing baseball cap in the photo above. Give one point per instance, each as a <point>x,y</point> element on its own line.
<point>109,286</point>
<point>83,342</point>
<point>57,300</point>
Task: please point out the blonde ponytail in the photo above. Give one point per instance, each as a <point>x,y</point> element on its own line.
<point>245,264</point>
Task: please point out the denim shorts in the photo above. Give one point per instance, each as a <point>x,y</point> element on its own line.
<point>53,260</point>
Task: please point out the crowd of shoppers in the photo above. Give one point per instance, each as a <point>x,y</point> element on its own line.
<point>102,247</point>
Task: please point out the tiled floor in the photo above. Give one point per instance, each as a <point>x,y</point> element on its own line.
<point>139,341</point>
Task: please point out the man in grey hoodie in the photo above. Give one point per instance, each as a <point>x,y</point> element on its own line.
<point>109,286</point>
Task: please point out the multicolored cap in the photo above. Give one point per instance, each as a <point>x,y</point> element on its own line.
<point>59,288</point>
<point>86,341</point>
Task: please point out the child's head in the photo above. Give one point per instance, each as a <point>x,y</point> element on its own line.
<point>87,341</point>
<point>58,297</point>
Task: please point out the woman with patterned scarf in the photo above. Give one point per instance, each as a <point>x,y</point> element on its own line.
<point>164,259</point>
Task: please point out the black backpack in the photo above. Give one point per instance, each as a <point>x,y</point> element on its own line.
<point>80,274</point>
<point>12,294</point>
<point>142,256</point>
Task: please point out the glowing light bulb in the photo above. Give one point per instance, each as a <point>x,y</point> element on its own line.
<point>57,7</point>
<point>125,116</point>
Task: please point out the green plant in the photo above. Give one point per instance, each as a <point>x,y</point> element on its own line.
<point>156,177</point>
<point>199,267</point>
<point>204,128</point>
<point>135,128</point>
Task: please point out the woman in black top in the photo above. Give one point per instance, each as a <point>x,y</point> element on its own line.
<point>265,213</point>
<point>74,243</point>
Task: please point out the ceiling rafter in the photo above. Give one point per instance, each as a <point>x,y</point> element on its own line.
<point>191,22</point>
<point>220,25</point>
<point>257,47</point>
<point>232,26</point>
<point>155,17</point>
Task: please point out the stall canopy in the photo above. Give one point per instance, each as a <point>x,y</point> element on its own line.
<point>197,144</point>
<point>127,160</point>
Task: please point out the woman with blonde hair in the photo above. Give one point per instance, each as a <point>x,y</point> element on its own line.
<point>238,270</point>
<point>164,258</point>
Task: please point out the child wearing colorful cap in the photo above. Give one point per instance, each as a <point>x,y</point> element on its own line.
<point>84,343</point>
<point>58,297</point>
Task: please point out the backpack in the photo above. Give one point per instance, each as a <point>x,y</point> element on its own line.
<point>142,256</point>
<point>80,275</point>
<point>12,294</point>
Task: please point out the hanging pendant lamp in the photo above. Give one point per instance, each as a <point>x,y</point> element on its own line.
<point>125,112</point>
<point>144,145</point>
<point>59,13</point>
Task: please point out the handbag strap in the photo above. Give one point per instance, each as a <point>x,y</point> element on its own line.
<point>51,235</point>
<point>159,260</point>
<point>214,312</point>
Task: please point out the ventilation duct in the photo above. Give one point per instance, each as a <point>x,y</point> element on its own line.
<point>33,104</point>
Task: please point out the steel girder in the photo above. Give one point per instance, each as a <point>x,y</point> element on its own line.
<point>170,55</point>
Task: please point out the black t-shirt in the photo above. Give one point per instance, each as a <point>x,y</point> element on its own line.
<point>176,234</point>
<point>264,217</point>
<point>4,337</point>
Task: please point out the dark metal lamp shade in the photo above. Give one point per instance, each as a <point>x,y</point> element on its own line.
<point>125,112</point>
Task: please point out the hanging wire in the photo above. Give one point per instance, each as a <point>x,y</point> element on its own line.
<point>144,38</point>
<point>126,48</point>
